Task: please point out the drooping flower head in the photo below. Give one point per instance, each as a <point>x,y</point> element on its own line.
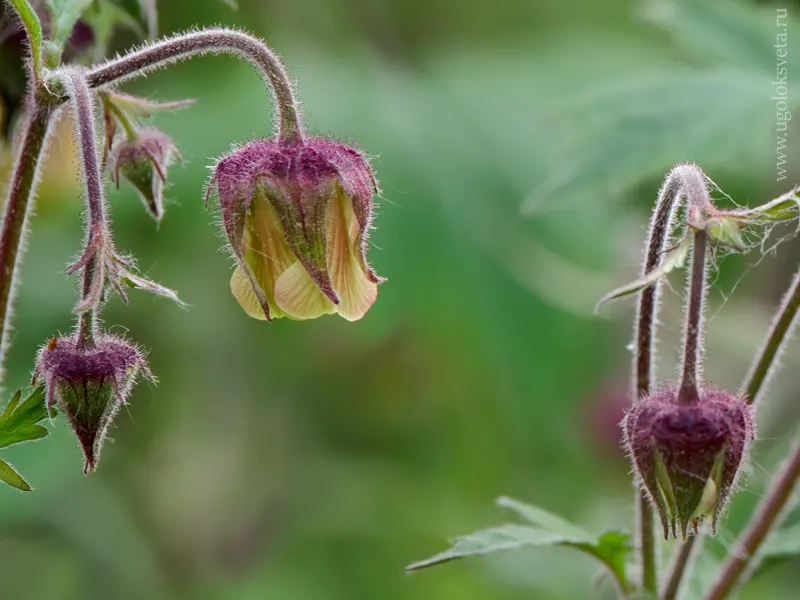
<point>144,161</point>
<point>297,216</point>
<point>89,384</point>
<point>688,455</point>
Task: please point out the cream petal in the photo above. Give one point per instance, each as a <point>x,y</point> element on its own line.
<point>299,297</point>
<point>356,292</point>
<point>266,252</point>
<point>242,290</point>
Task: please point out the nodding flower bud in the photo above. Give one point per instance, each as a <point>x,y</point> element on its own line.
<point>144,160</point>
<point>89,385</point>
<point>297,216</point>
<point>688,455</point>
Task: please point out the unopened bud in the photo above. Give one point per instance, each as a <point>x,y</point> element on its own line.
<point>89,385</point>
<point>688,455</point>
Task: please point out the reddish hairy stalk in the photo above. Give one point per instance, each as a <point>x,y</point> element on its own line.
<point>684,180</point>
<point>210,41</point>
<point>694,320</point>
<point>19,201</point>
<point>767,516</point>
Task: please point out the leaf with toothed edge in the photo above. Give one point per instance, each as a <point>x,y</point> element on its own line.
<point>545,529</point>
<point>674,259</point>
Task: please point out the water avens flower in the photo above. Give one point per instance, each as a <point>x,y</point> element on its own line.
<point>297,215</point>
<point>144,160</point>
<point>89,384</point>
<point>687,455</point>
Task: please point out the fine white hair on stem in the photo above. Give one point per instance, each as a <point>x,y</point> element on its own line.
<point>210,41</point>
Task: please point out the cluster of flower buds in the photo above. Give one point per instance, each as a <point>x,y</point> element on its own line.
<point>89,383</point>
<point>687,455</point>
<point>297,215</point>
<point>142,155</point>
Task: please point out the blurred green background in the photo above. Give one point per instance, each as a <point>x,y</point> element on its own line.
<point>520,145</point>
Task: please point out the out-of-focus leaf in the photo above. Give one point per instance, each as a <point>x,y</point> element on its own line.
<point>780,546</point>
<point>65,14</point>
<point>495,539</point>
<point>547,529</point>
<point>11,477</point>
<point>673,260</point>
<point>33,28</point>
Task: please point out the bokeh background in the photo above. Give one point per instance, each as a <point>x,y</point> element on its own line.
<point>520,145</point>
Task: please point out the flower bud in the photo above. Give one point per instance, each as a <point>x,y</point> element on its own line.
<point>89,385</point>
<point>688,455</point>
<point>143,161</point>
<point>297,216</point>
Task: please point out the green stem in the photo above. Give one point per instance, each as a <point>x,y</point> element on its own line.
<point>19,204</point>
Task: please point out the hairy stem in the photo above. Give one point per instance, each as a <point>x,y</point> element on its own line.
<point>679,568</point>
<point>97,222</point>
<point>694,319</point>
<point>18,207</point>
<point>215,41</point>
<point>768,515</point>
<point>767,355</point>
<point>684,180</point>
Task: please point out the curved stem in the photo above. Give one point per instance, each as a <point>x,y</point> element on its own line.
<point>694,320</point>
<point>18,207</point>
<point>768,515</point>
<point>216,41</point>
<point>684,180</point>
<point>779,330</point>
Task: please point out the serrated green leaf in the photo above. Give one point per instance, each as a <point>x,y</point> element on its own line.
<point>19,424</point>
<point>30,411</point>
<point>495,539</point>
<point>673,260</point>
<point>65,13</point>
<point>9,476</point>
<point>25,433</point>
<point>12,404</point>
<point>547,529</point>
<point>32,27</point>
<point>546,520</point>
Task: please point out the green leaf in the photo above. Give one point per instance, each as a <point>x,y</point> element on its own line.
<point>544,519</point>
<point>11,477</point>
<point>18,423</point>
<point>25,433</point>
<point>727,233</point>
<point>783,542</point>
<point>65,14</point>
<point>783,208</point>
<point>32,27</point>
<point>495,539</point>
<point>546,529</point>
<point>673,260</point>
